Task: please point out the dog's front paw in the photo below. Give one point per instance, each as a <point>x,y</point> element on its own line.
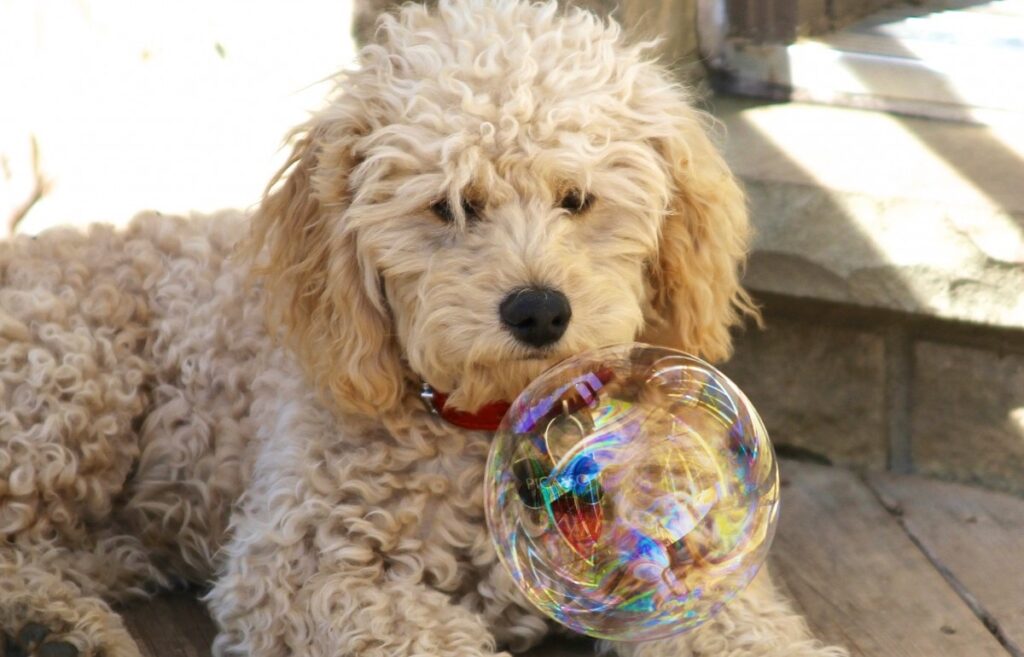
<point>58,638</point>
<point>36,640</point>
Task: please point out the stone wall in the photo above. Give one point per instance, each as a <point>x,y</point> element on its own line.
<point>889,256</point>
<point>819,388</point>
<point>967,417</point>
<point>880,390</point>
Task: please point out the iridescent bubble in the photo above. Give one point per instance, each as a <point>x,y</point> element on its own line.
<point>632,491</point>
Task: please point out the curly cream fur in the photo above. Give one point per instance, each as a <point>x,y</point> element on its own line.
<point>155,429</point>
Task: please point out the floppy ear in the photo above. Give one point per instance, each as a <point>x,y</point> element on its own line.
<point>318,288</point>
<point>696,290</point>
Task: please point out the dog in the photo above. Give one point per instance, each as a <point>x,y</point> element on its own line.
<point>235,401</point>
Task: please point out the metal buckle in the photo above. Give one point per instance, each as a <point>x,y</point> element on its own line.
<point>427,397</point>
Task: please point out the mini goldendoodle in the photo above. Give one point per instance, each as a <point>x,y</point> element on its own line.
<point>236,400</point>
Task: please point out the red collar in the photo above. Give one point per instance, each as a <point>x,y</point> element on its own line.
<point>486,418</point>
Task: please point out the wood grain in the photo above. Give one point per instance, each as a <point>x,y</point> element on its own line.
<point>177,625</point>
<point>860,580</point>
<point>172,625</point>
<point>562,647</point>
<point>844,12</point>
<point>977,535</point>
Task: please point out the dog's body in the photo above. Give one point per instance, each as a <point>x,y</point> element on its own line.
<point>154,430</point>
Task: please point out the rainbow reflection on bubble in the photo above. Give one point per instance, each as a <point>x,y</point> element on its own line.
<point>632,491</point>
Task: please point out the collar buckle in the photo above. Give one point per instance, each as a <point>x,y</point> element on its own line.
<point>429,399</point>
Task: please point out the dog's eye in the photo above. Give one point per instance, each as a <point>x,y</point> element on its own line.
<point>576,202</point>
<point>443,210</point>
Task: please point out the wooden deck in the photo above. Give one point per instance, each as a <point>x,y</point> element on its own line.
<point>888,566</point>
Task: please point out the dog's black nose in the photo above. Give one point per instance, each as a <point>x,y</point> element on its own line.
<point>536,316</point>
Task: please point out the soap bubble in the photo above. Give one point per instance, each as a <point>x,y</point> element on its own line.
<point>632,491</point>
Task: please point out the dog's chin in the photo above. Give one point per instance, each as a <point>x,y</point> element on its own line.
<point>503,380</point>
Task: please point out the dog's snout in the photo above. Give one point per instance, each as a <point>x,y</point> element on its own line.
<point>536,316</point>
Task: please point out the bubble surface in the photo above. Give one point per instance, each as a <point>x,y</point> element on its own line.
<point>632,491</point>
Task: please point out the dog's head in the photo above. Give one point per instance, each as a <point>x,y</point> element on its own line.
<point>498,187</point>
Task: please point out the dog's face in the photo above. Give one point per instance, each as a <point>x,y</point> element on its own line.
<point>498,188</point>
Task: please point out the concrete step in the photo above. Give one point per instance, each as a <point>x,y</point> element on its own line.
<point>882,211</point>
<point>890,257</point>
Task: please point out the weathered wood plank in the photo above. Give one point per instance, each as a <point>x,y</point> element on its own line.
<point>173,625</point>
<point>847,562</point>
<point>177,625</point>
<point>844,12</point>
<point>561,647</point>
<point>860,580</point>
<point>782,21</point>
<point>765,21</point>
<point>977,535</point>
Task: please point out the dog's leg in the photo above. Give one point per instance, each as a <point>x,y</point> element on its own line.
<point>303,575</point>
<point>269,608</point>
<point>335,614</point>
<point>758,623</point>
<point>280,598</point>
<point>54,600</point>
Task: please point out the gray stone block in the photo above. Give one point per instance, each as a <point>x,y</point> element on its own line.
<point>817,387</point>
<point>967,415</point>
<point>893,254</point>
<point>881,212</point>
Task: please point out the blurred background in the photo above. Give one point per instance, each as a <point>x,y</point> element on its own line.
<point>882,147</point>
